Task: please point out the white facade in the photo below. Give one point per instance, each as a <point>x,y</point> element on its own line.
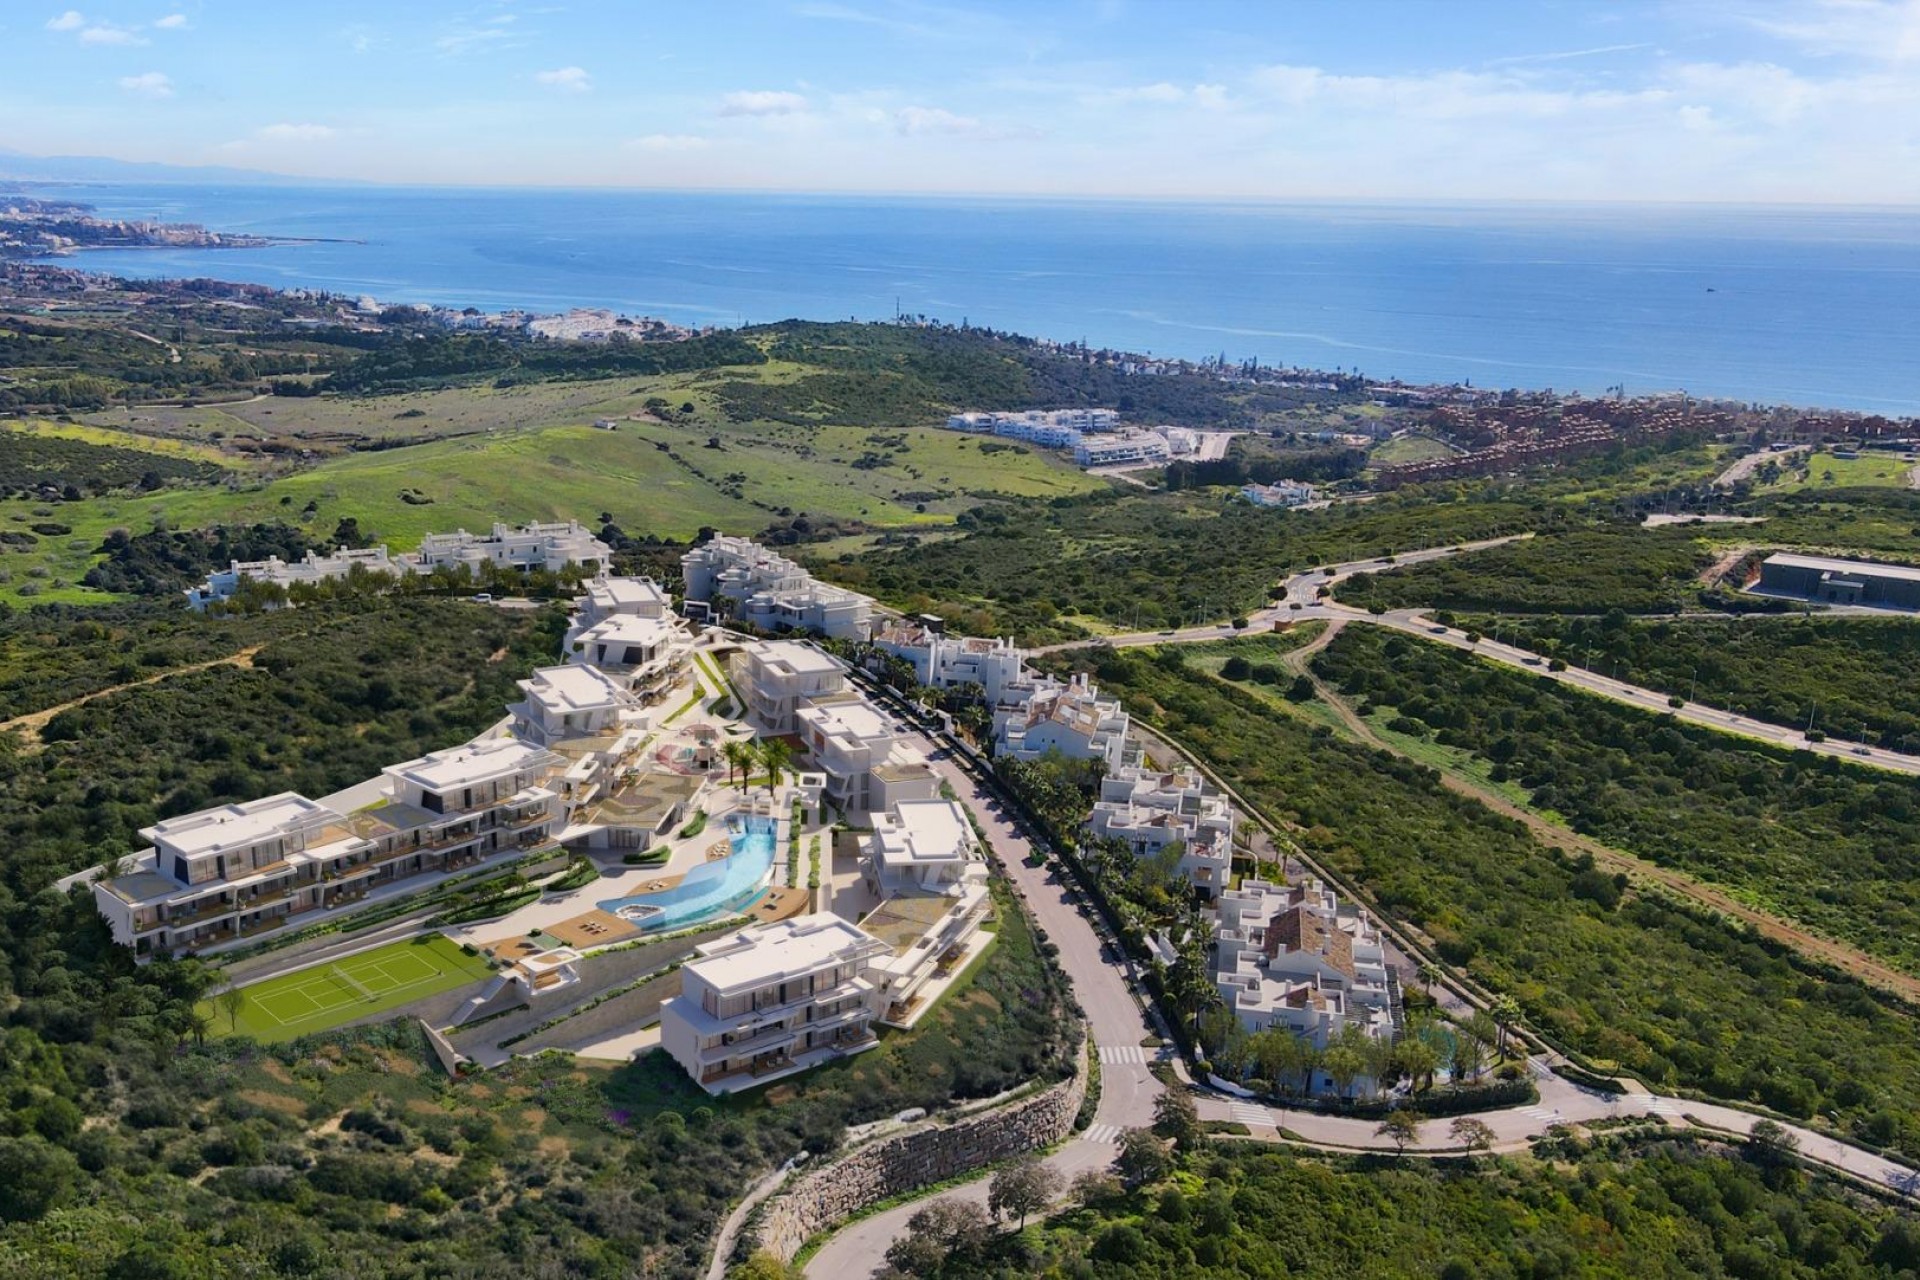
<point>1285,493</point>
<point>569,702</point>
<point>925,864</point>
<point>922,846</point>
<point>1118,450</point>
<point>769,1001</point>
<point>1072,719</point>
<point>1050,428</point>
<point>763,589</point>
<point>1150,810</point>
<point>945,662</point>
<point>847,738</point>
<point>222,583</point>
<point>532,546</point>
<point>1288,956</point>
<point>778,677</point>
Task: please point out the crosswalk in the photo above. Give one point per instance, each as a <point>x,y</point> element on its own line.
<point>1546,1115</point>
<point>1105,1134</point>
<point>1123,1053</point>
<point>1252,1114</point>
<point>1649,1102</point>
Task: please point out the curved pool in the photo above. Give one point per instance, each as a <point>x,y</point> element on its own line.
<point>713,889</point>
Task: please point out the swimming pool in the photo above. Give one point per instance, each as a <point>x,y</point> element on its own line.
<point>713,889</point>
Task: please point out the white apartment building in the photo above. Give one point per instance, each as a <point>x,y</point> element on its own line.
<point>742,579</point>
<point>608,596</point>
<point>646,654</point>
<point>1072,719</point>
<point>1283,493</point>
<point>1288,956</point>
<point>778,677</point>
<point>945,662</point>
<point>1150,810</point>
<point>222,583</point>
<point>1118,450</point>
<point>1050,428</point>
<point>847,738</point>
<point>927,867</point>
<point>770,1001</point>
<point>569,702</point>
<point>532,546</point>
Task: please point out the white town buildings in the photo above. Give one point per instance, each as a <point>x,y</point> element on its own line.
<point>1150,809</point>
<point>1283,493</point>
<point>739,578</point>
<point>1072,719</point>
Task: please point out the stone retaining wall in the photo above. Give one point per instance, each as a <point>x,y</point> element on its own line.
<point>926,1154</point>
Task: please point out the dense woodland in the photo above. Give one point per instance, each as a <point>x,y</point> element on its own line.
<point>34,465</point>
<point>1640,980</point>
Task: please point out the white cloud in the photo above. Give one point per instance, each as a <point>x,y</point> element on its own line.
<point>762,102</point>
<point>295,133</point>
<point>106,33</point>
<point>150,84</point>
<point>1162,92</point>
<point>669,142</point>
<point>172,22</point>
<point>913,121</point>
<point>1211,96</point>
<point>71,20</point>
<point>566,79</point>
<point>1877,30</point>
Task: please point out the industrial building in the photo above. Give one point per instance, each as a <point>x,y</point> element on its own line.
<point>1830,581</point>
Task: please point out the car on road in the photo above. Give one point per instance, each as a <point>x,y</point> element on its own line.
<point>483,598</point>
<point>1861,751</point>
<point>1438,631</point>
<point>1530,662</point>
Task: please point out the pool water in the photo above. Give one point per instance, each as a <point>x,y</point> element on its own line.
<point>715,888</point>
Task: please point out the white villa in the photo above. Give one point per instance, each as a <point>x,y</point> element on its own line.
<point>1049,428</point>
<point>770,1001</point>
<point>573,702</point>
<point>1150,809</point>
<point>533,546</point>
<point>627,628</point>
<point>1072,719</point>
<point>777,677</point>
<point>742,579</point>
<point>1288,956</point>
<point>945,662</point>
<point>1129,447</point>
<point>1285,493</point>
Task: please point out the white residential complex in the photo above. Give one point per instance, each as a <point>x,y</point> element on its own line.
<point>560,774</point>
<point>1150,810</point>
<point>1289,956</point>
<point>778,677</point>
<point>740,579</point>
<point>533,546</point>
<point>931,875</point>
<point>769,1001</point>
<point>862,752</point>
<point>1132,447</point>
<point>947,662</point>
<point>1072,719</point>
<point>1051,429</point>
<point>626,627</point>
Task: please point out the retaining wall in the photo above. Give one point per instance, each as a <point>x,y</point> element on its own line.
<point>917,1157</point>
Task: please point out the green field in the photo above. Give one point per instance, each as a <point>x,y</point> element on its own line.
<point>327,996</point>
<point>1824,471</point>
<point>1404,449</point>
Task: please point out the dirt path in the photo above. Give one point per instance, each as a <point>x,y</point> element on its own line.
<point>1826,950</point>
<point>28,727</point>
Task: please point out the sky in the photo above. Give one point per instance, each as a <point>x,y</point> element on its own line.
<point>1807,101</point>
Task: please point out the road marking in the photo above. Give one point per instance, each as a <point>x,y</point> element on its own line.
<point>1105,1134</point>
<point>1123,1053</point>
<point>1252,1113</point>
<point>1541,1113</point>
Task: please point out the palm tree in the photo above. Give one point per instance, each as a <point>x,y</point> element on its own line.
<point>1429,975</point>
<point>739,761</point>
<point>774,754</point>
<point>1506,1011</point>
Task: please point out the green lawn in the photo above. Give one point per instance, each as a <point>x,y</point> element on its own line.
<point>1404,449</point>
<point>1824,471</point>
<point>327,996</point>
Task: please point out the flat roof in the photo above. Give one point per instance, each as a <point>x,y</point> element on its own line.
<point>1828,564</point>
<point>849,714</point>
<point>773,953</point>
<point>924,831</point>
<point>801,659</point>
<point>236,826</point>
<point>474,762</point>
<point>630,627</point>
<point>616,592</point>
<point>575,688</point>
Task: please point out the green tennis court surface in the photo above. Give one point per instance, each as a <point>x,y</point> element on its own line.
<point>328,995</point>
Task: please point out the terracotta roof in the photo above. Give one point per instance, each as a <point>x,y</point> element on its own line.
<point>1299,929</point>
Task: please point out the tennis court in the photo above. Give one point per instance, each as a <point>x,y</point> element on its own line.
<point>328,995</point>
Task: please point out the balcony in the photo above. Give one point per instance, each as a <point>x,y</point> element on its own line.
<point>210,910</point>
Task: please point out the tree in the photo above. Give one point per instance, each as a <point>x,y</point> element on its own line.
<point>1474,1135</point>
<point>1469,1056</point>
<point>1094,1187</point>
<point>943,1229</point>
<point>34,1177</point>
<point>740,756</point>
<point>763,1266</point>
<point>774,754</point>
<point>1402,1126</point>
<point>1025,1186</point>
<point>1505,1012</point>
<point>1417,1060</point>
<point>1772,1143</point>
<point>1429,975</point>
<point>229,1002</point>
<point>1143,1158</point>
<point>1177,1119</point>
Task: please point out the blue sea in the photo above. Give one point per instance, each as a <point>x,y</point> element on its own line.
<point>1794,306</point>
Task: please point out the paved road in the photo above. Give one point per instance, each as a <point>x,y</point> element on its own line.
<point>1116,1019</point>
<point>1302,603</point>
<point>1748,463</point>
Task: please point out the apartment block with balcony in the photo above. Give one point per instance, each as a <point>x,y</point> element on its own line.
<point>1289,956</point>
<point>1072,719</point>
<point>847,739</point>
<point>741,579</point>
<point>947,662</point>
<point>533,546</point>
<point>463,805</point>
<point>925,864</point>
<point>778,677</point>
<point>563,703</point>
<point>770,1001</point>
<point>1150,810</point>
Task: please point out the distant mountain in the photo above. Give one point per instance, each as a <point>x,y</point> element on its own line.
<point>19,167</point>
